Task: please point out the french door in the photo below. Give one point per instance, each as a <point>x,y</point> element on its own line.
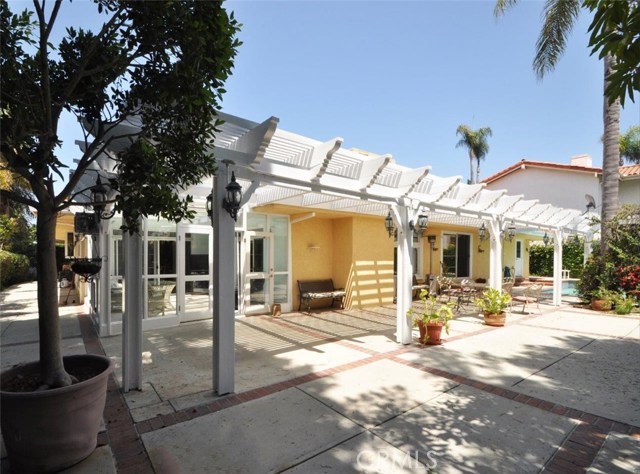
<point>195,292</point>
<point>259,275</point>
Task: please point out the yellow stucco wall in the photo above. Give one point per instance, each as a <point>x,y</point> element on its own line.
<point>371,273</point>
<point>312,252</point>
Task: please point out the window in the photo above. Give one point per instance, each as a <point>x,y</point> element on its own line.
<point>456,255</point>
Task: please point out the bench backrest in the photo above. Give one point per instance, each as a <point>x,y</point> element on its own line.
<point>315,286</point>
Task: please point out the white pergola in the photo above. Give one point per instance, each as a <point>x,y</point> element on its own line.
<point>276,166</point>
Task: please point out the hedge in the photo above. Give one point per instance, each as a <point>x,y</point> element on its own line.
<point>14,268</point>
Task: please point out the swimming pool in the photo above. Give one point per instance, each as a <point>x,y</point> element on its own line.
<point>569,288</point>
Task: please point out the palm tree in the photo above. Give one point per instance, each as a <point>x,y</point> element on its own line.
<point>476,142</point>
<point>630,145</point>
<point>559,19</point>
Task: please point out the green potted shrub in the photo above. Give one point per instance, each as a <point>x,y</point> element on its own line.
<point>622,303</point>
<point>602,299</point>
<point>433,317</point>
<point>493,304</point>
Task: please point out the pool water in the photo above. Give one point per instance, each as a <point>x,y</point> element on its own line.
<point>569,288</point>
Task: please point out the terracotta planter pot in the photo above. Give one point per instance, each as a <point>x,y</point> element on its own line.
<point>51,430</point>
<point>600,305</point>
<point>495,319</point>
<point>430,333</point>
<point>434,331</point>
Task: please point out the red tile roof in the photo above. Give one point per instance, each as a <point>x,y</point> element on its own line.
<point>631,170</point>
<point>539,164</point>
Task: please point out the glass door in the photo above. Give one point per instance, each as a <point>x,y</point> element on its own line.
<point>195,294</point>
<point>518,260</point>
<point>258,287</point>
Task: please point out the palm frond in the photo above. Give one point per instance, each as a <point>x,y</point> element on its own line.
<point>559,19</point>
<point>502,6</point>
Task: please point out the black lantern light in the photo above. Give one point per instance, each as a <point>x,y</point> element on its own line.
<point>421,225</point>
<point>388,224</point>
<point>209,207</point>
<point>99,199</point>
<point>482,231</point>
<point>511,231</point>
<point>546,239</point>
<point>233,199</point>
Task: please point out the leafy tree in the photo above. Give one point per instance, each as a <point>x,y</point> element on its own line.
<point>541,258</point>
<point>162,64</point>
<point>615,31</point>
<point>630,144</point>
<point>559,19</point>
<point>475,141</point>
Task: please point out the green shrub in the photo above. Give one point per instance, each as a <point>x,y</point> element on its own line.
<point>14,268</point>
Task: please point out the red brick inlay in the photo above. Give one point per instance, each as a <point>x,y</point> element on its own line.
<point>122,436</point>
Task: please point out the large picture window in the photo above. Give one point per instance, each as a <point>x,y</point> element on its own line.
<point>456,255</point>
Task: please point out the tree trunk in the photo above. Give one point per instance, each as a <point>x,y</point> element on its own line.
<point>471,158</point>
<point>51,366</point>
<point>477,171</point>
<point>610,158</point>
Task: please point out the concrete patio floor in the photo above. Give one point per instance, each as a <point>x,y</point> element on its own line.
<point>555,391</point>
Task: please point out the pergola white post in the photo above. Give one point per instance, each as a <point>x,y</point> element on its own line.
<point>403,278</point>
<point>495,255</point>
<point>132,316</point>
<point>223,289</point>
<point>557,267</point>
<point>104,310</point>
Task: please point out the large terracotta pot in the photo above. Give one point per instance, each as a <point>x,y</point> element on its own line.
<point>50,430</point>
<point>495,319</point>
<point>600,305</point>
<point>430,333</point>
<point>434,331</point>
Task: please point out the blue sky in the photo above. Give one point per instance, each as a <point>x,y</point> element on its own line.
<point>399,77</point>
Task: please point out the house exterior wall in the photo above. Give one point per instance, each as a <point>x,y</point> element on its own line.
<point>371,273</point>
<point>311,252</point>
<point>563,188</point>
<point>629,191</point>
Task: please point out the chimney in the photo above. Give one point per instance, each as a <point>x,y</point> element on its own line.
<point>581,160</point>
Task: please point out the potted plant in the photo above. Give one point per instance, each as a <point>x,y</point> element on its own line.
<point>493,304</point>
<point>622,303</point>
<point>602,299</point>
<point>123,69</point>
<point>432,319</point>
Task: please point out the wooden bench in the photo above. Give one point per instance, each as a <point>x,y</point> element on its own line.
<point>311,290</point>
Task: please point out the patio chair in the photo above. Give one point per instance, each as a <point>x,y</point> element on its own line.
<point>531,295</point>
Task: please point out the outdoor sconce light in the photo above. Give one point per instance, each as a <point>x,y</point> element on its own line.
<point>210,207</point>
<point>509,232</point>
<point>99,198</point>
<point>482,231</point>
<point>421,225</point>
<point>546,239</point>
<point>231,202</point>
<point>388,224</point>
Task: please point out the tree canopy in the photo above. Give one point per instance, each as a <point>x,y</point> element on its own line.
<point>163,63</point>
<point>160,66</point>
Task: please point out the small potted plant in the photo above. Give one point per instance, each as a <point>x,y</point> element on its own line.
<point>493,304</point>
<point>431,319</point>
<point>602,299</point>
<point>622,303</point>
